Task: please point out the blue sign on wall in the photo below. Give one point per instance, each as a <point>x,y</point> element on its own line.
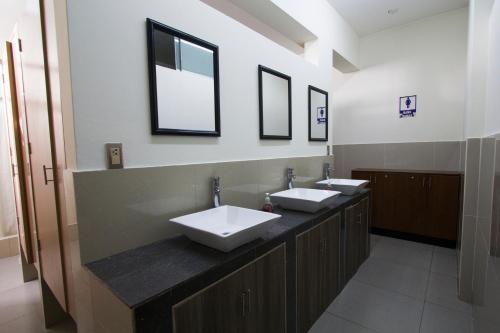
<point>321,114</point>
<point>407,106</point>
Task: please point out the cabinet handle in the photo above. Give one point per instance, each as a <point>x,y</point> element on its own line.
<point>243,304</point>
<point>359,218</point>
<point>249,307</point>
<point>386,176</point>
<point>430,182</point>
<point>375,179</point>
<point>45,175</point>
<point>412,177</point>
<point>423,181</point>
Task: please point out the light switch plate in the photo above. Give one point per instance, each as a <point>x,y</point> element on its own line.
<point>114,154</point>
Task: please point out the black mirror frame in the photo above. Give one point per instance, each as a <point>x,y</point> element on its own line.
<point>261,106</point>
<point>309,90</point>
<point>155,129</point>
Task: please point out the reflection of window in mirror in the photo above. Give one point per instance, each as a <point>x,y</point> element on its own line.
<point>185,96</point>
<point>318,114</point>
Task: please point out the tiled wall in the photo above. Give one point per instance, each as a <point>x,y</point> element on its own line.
<point>9,246</point>
<point>122,209</point>
<point>448,156</point>
<point>487,261</point>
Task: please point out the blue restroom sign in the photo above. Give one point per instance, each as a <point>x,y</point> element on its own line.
<point>321,114</point>
<point>407,106</point>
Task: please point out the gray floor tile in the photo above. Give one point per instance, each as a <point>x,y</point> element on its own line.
<point>10,273</point>
<point>445,251</point>
<point>443,290</point>
<point>329,323</point>
<point>444,264</point>
<point>438,319</point>
<point>18,302</point>
<point>404,253</point>
<point>394,277</point>
<point>378,309</point>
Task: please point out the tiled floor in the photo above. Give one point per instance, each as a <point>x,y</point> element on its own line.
<point>404,287</point>
<point>20,303</point>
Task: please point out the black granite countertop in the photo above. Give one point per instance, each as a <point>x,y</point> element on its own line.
<point>139,275</point>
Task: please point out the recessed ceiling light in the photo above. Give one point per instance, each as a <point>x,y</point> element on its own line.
<point>393,11</point>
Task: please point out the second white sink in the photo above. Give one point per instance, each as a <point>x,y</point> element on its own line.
<point>304,199</point>
<point>226,227</point>
<point>346,186</point>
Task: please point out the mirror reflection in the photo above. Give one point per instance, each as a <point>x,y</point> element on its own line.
<point>275,104</point>
<point>184,83</point>
<point>318,114</point>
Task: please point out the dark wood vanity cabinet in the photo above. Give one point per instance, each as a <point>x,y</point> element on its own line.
<point>318,270</point>
<point>357,241</point>
<point>425,204</point>
<point>252,299</point>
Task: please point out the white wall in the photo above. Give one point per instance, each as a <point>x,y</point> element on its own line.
<point>110,81</point>
<point>426,58</point>
<point>492,116</point>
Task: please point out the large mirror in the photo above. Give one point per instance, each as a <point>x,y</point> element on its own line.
<point>184,82</point>
<point>318,114</point>
<point>275,104</point>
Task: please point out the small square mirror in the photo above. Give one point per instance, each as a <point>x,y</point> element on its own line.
<point>318,114</point>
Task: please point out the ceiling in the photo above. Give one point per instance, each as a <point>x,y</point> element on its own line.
<point>369,16</point>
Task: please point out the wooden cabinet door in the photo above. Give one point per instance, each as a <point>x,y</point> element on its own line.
<point>364,251</point>
<point>353,232</point>
<point>417,201</point>
<point>251,299</point>
<point>318,270</point>
<point>268,311</point>
<point>384,201</point>
<point>309,249</point>
<point>222,307</point>
<point>444,205</point>
<point>330,260</point>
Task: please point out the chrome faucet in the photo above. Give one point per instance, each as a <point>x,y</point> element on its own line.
<point>290,177</point>
<point>327,169</point>
<point>216,191</point>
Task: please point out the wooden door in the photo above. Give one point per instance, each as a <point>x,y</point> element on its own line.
<point>330,260</point>
<point>32,67</point>
<point>444,205</point>
<point>17,145</point>
<point>309,250</point>
<point>268,312</point>
<point>222,307</point>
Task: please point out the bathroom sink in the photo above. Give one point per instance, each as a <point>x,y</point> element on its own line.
<point>346,186</point>
<point>304,199</point>
<point>226,227</point>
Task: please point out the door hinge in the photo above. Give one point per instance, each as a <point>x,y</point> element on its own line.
<point>29,148</point>
<point>20,44</point>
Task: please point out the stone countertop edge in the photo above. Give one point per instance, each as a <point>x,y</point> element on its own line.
<point>140,275</point>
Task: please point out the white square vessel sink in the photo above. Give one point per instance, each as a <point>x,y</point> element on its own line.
<point>346,186</point>
<point>226,227</point>
<point>304,199</point>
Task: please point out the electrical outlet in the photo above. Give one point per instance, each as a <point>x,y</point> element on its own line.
<point>115,155</point>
